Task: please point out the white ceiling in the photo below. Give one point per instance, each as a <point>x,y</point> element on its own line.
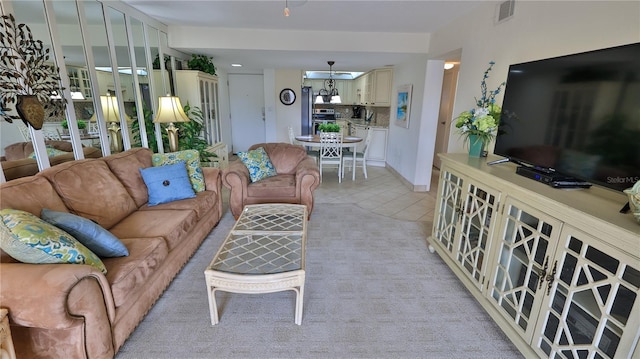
<point>372,16</point>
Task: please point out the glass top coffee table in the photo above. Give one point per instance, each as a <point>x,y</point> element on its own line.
<point>263,253</point>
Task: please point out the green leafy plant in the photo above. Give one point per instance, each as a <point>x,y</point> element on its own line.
<point>25,69</point>
<point>483,120</point>
<point>81,124</point>
<point>202,63</point>
<point>329,127</point>
<point>190,134</point>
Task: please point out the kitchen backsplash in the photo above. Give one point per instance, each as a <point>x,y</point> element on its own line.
<point>381,118</point>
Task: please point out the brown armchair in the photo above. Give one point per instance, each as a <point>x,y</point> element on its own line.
<point>298,176</point>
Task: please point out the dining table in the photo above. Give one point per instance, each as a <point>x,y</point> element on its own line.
<point>347,142</point>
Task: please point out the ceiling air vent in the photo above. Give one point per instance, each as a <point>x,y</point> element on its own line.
<point>505,11</point>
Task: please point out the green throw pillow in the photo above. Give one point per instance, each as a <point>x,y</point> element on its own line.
<point>191,158</point>
<point>29,239</point>
<point>258,163</point>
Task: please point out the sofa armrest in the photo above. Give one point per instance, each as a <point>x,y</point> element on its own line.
<point>55,296</point>
<point>307,180</point>
<point>236,179</point>
<point>213,182</point>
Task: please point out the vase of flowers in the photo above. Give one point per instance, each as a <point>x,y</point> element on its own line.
<point>480,124</point>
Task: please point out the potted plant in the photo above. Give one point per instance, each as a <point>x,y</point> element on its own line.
<point>202,63</point>
<point>479,125</point>
<point>329,127</point>
<point>30,83</point>
<point>82,126</point>
<point>190,135</point>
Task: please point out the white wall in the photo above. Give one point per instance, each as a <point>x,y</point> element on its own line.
<point>538,30</point>
<point>287,115</point>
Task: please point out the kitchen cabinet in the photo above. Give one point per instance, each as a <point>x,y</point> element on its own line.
<point>200,89</point>
<point>79,81</point>
<point>377,155</point>
<point>374,88</point>
<point>560,270</point>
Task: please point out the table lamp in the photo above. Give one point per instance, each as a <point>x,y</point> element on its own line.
<point>170,111</point>
<point>111,114</point>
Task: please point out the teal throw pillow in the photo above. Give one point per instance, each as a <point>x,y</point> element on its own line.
<point>92,235</point>
<point>29,239</point>
<point>167,183</point>
<point>258,163</point>
<point>191,158</point>
<point>51,152</point>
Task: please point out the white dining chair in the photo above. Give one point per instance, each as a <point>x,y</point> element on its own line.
<point>292,136</point>
<point>361,156</point>
<point>331,152</point>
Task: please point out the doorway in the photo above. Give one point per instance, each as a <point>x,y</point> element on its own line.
<point>445,115</point>
<point>246,104</point>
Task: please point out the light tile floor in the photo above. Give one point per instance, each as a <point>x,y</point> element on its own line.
<point>382,193</point>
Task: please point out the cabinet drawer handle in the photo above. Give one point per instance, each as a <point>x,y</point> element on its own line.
<point>551,277</point>
<point>542,276</point>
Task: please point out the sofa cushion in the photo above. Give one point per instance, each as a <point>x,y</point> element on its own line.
<point>258,163</point>
<point>201,204</point>
<point>30,194</point>
<point>125,165</point>
<point>192,160</point>
<point>172,225</point>
<point>167,183</point>
<point>97,239</point>
<point>125,274</point>
<point>29,239</point>
<point>277,186</point>
<point>20,150</point>
<point>90,190</point>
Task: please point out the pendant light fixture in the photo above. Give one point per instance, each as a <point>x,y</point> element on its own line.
<point>329,92</point>
<point>286,8</point>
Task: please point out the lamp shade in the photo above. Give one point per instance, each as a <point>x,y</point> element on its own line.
<point>319,99</point>
<point>170,110</point>
<point>110,110</point>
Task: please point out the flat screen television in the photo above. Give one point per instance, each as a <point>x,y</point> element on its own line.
<point>578,115</point>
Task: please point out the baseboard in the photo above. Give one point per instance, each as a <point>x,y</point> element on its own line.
<point>405,182</point>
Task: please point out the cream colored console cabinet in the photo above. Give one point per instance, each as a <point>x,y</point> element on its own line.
<point>557,270</point>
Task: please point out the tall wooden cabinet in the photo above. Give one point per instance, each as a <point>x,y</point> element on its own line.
<point>201,90</point>
<point>557,270</point>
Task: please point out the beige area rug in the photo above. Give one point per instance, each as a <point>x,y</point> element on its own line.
<point>372,290</point>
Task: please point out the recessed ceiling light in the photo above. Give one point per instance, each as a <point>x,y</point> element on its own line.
<point>236,65</point>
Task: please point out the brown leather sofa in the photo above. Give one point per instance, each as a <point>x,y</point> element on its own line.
<point>298,176</point>
<point>76,311</point>
<point>15,162</point>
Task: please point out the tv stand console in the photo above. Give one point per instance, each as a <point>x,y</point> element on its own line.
<point>557,270</point>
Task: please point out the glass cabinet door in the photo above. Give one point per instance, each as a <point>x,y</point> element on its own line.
<point>479,207</point>
<point>528,238</point>
<point>450,188</point>
<point>593,310</point>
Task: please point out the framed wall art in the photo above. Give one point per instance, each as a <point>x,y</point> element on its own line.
<point>287,97</point>
<point>403,100</point>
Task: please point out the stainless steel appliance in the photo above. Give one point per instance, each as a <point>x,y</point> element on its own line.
<point>323,115</point>
<point>306,116</point>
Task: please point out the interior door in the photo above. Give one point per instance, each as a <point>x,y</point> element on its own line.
<point>445,115</point>
<point>246,102</point>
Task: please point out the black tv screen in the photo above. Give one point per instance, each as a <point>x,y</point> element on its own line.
<point>578,115</point>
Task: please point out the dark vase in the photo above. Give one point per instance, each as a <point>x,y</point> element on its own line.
<point>30,110</point>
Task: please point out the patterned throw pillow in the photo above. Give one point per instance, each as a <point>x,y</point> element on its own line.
<point>92,235</point>
<point>191,158</point>
<point>51,152</point>
<point>167,183</point>
<point>258,163</point>
<point>29,239</point>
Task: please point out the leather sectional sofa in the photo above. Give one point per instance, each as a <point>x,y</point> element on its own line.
<point>76,311</point>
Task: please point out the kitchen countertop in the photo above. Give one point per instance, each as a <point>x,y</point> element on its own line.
<point>361,122</point>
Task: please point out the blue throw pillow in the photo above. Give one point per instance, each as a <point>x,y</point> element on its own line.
<point>93,236</point>
<point>258,163</point>
<point>167,183</point>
